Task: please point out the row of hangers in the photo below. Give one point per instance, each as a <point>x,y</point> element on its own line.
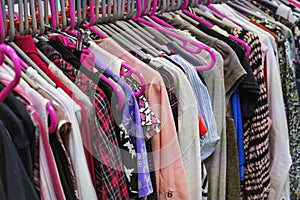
<point>36,20</point>
<point>18,64</point>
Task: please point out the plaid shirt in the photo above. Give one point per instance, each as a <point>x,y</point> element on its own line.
<point>110,181</point>
<point>108,164</point>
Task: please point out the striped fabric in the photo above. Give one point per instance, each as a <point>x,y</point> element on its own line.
<point>204,177</point>
<point>209,141</point>
<point>256,184</point>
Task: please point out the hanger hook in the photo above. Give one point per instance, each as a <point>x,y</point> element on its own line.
<point>5,49</point>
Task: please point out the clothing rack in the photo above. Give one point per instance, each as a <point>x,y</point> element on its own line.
<point>149,99</point>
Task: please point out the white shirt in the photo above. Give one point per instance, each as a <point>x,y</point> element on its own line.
<point>71,109</point>
<point>76,91</point>
<point>107,59</point>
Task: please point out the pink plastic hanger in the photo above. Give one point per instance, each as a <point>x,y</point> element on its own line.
<point>92,13</point>
<point>104,78</point>
<point>140,76</point>
<point>52,114</point>
<point>2,32</point>
<point>92,22</point>
<point>72,16</point>
<point>70,29</point>
<point>246,46</point>
<point>124,65</point>
<point>158,20</point>
<point>53,14</point>
<point>202,21</point>
<point>199,46</point>
<point>296,3</point>
<point>188,13</point>
<point>5,49</point>
<point>213,8</point>
<point>49,107</point>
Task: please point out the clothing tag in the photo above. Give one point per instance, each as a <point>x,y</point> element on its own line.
<point>286,12</point>
<point>283,11</point>
<point>219,30</point>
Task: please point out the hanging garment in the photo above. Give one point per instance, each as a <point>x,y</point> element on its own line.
<point>128,119</point>
<point>210,140</point>
<point>251,130</point>
<point>188,129</point>
<point>276,105</point>
<point>291,101</point>
<point>151,127</point>
<point>87,109</point>
<point>59,142</point>
<point>14,179</point>
<point>170,82</point>
<point>165,145</point>
<point>106,145</point>
<point>24,138</point>
<point>49,177</point>
<point>105,60</point>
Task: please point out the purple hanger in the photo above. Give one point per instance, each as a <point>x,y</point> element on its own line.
<point>198,45</point>
<point>5,49</point>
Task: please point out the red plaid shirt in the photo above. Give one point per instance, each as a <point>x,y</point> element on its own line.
<point>110,180</point>
<point>108,164</point>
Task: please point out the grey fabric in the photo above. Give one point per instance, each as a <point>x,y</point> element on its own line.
<point>233,70</point>
<point>233,188</point>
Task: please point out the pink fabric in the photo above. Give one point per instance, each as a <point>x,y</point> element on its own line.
<point>50,158</point>
<point>87,57</point>
<point>166,151</point>
<point>296,3</point>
